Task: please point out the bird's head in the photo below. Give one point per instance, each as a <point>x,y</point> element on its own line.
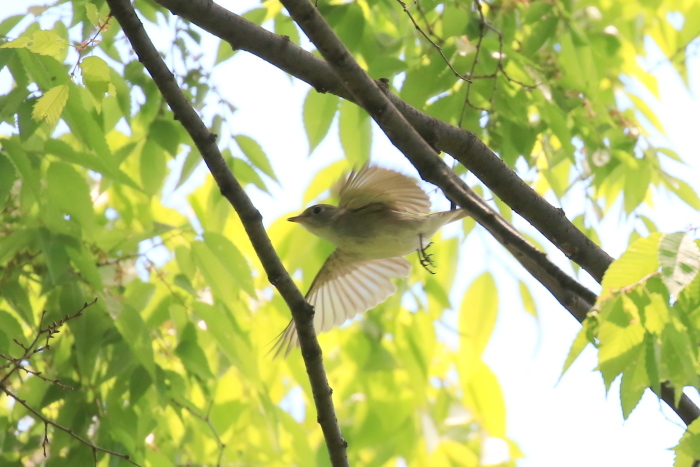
<point>317,218</point>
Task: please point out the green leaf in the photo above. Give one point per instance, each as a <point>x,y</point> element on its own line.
<point>84,126</point>
<point>634,383</point>
<point>679,352</point>
<point>9,23</point>
<point>40,42</point>
<point>224,52</point>
<point>105,166</point>
<point>216,275</point>
<point>86,263</point>
<point>245,174</point>
<point>285,26</point>
<point>483,394</point>
<point>12,103</point>
<point>96,76</point>
<point>255,154</point>
<point>656,314</point>
<point>455,20</point>
<point>92,13</point>
<point>536,11</point>
<point>229,341</point>
<point>67,189</point>
<point>557,120</point>
<point>684,191</point>
<point>8,176</point>
<point>16,296</point>
<point>580,343</point>
<point>324,181</point>
<point>165,133</point>
<point>679,257</point>
<point>637,182</point>
<point>192,161</point>
<point>355,133</point>
<point>4,342</point>
<point>14,242</point>
<point>232,259</point>
<point>123,93</point>
<point>690,442</point>
<point>20,159</point>
<point>192,355</point>
<point>50,106</point>
<point>477,319</point>
<point>528,301</point>
<point>319,111</point>
<point>639,261</point>
<point>139,382</point>
<point>133,330</point>
<point>152,167</point>
<point>647,112</point>
<point>541,31</point>
<point>256,15</point>
<point>57,260</point>
<point>620,337</point>
<point>11,328</point>
<point>652,362</point>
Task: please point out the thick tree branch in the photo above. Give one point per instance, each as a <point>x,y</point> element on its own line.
<point>460,144</point>
<point>250,217</point>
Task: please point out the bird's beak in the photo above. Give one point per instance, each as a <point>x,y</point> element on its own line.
<point>295,219</point>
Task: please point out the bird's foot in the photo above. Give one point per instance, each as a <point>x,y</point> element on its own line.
<point>426,260</point>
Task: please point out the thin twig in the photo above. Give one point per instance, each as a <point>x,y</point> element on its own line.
<point>84,45</point>
<point>206,419</point>
<point>70,432</point>
<point>483,24</point>
<point>50,331</point>
<point>17,365</point>
<point>436,46</point>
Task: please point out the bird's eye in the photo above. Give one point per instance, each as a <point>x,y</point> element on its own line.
<point>317,210</point>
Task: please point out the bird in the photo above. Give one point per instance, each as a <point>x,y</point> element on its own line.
<point>382,216</point>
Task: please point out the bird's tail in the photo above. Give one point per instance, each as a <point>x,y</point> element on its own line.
<point>457,214</point>
<point>450,216</point>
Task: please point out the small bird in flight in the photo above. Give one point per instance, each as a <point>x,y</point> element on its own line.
<point>382,216</point>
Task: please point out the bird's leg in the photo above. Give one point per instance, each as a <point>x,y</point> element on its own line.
<point>426,260</point>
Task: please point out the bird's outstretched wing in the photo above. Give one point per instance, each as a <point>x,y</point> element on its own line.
<point>372,184</point>
<point>343,288</point>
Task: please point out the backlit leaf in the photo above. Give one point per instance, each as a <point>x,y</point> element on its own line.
<point>319,111</point>
<point>679,257</point>
<point>355,133</point>
<point>639,261</point>
<point>50,106</point>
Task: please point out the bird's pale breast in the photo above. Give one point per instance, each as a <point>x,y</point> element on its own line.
<point>378,234</point>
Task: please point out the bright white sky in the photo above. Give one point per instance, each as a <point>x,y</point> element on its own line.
<point>571,423</point>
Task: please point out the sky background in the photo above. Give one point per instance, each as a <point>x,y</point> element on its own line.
<point>555,422</point>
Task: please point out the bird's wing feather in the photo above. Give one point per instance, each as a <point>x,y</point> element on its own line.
<point>372,184</point>
<point>343,288</point>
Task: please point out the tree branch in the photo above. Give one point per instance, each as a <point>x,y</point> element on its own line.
<point>250,217</point>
